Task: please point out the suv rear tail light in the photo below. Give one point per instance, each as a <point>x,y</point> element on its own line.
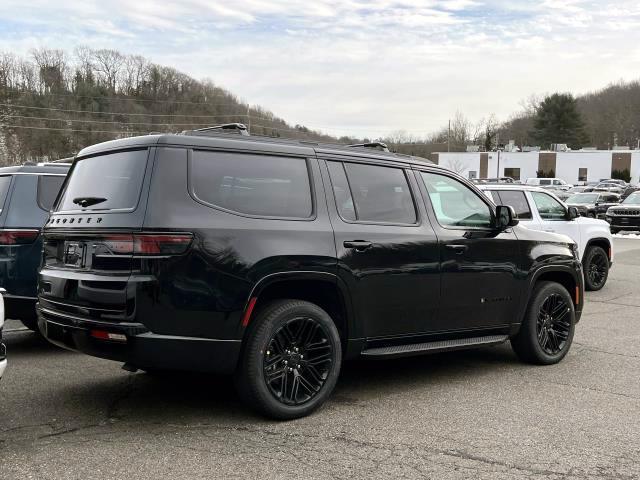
<point>149,243</point>
<point>18,237</point>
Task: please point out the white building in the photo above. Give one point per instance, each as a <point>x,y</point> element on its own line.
<point>572,166</point>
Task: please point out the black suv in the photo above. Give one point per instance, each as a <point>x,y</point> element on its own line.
<point>275,260</point>
<point>27,194</point>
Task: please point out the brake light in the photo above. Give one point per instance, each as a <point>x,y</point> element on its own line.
<point>149,244</point>
<point>18,237</point>
<point>104,335</point>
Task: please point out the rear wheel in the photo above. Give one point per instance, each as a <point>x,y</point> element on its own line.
<point>596,268</point>
<point>291,360</point>
<point>546,332</point>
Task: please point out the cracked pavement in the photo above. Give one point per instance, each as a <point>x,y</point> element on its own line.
<point>479,413</point>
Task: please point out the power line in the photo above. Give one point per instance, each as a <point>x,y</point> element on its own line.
<point>120,132</point>
<point>105,121</point>
<point>128,114</point>
<point>73,95</point>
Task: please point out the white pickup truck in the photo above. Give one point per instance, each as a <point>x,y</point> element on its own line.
<point>540,209</point>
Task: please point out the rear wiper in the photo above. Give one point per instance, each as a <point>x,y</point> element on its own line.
<point>88,201</point>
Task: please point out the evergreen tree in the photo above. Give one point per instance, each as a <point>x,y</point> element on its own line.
<point>558,120</point>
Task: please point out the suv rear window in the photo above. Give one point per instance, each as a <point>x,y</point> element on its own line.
<point>48,188</point>
<point>112,181</point>
<point>261,185</point>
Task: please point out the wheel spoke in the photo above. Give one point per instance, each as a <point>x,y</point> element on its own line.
<point>298,361</point>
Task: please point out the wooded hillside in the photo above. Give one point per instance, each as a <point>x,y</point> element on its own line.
<point>53,104</point>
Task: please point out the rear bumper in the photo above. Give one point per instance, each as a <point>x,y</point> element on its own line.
<point>142,348</point>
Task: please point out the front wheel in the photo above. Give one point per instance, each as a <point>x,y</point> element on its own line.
<point>596,268</point>
<point>546,332</point>
<point>291,360</point>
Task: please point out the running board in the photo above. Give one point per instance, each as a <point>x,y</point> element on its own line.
<point>434,347</point>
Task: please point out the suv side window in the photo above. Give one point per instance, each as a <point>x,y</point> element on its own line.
<point>455,204</point>
<point>260,185</point>
<point>48,188</point>
<point>545,182</point>
<point>5,183</point>
<point>374,193</point>
<point>516,199</point>
<point>548,207</point>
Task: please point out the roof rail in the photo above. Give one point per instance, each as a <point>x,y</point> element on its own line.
<point>377,145</point>
<point>238,128</point>
<point>56,163</point>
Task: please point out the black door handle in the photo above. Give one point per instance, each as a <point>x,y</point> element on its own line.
<point>459,249</point>
<point>359,245</point>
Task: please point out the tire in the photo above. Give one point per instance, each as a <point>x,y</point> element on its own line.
<point>542,339</point>
<point>31,322</point>
<point>614,231</point>
<point>273,361</point>
<point>596,268</point>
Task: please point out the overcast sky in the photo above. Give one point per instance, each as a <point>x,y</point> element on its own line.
<point>359,67</point>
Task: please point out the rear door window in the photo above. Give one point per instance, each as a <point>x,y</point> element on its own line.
<point>48,188</point>
<point>5,183</point>
<point>105,182</point>
<point>379,194</point>
<point>517,200</point>
<point>260,185</point>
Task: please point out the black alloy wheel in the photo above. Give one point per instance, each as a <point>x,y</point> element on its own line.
<point>547,329</point>
<point>596,268</point>
<point>553,325</point>
<point>298,361</point>
<point>291,359</point>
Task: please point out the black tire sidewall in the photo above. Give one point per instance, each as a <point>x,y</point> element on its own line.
<point>527,344</point>
<point>588,258</point>
<point>253,385</point>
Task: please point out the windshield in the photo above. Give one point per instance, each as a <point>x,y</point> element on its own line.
<point>583,198</point>
<point>633,199</point>
<point>105,182</point>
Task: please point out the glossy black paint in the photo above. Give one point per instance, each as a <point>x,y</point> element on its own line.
<point>407,284</point>
<point>20,211</point>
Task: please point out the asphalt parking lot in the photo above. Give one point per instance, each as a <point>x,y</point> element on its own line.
<point>479,413</point>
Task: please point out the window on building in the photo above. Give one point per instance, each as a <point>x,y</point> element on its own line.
<point>582,174</point>
<point>512,172</point>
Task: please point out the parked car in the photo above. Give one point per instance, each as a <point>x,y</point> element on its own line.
<point>27,194</point>
<point>593,204</point>
<point>626,216</point>
<point>576,189</point>
<point>539,210</point>
<point>616,181</point>
<point>276,259</point>
<point>628,191</point>
<point>3,349</point>
<point>556,183</point>
<point>606,187</point>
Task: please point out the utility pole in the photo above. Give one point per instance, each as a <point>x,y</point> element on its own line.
<point>498,150</point>
<point>248,118</point>
<point>449,137</point>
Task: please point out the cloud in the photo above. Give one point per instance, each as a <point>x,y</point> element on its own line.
<point>357,66</point>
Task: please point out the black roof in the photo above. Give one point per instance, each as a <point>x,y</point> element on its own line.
<point>49,168</point>
<point>226,140</point>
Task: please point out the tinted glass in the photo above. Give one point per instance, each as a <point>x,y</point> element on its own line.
<point>48,188</point>
<point>454,203</point>
<point>545,182</point>
<point>5,182</point>
<point>517,200</point>
<point>107,182</point>
<point>548,207</point>
<point>633,199</point>
<point>341,191</point>
<point>263,185</point>
<point>380,194</point>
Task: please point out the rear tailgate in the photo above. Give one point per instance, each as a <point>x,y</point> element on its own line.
<point>88,256</point>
